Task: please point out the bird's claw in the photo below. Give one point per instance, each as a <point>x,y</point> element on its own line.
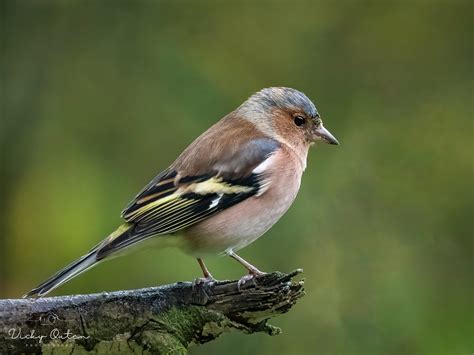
<point>205,282</point>
<point>249,277</point>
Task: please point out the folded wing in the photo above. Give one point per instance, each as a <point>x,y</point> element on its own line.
<point>176,200</point>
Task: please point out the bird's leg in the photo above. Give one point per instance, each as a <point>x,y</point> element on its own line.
<point>204,269</point>
<point>208,279</point>
<point>253,271</point>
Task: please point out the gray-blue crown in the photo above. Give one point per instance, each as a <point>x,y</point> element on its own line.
<point>279,97</point>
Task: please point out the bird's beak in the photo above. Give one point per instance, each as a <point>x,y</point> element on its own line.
<point>324,135</point>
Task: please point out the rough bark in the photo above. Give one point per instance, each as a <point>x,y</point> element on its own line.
<point>165,319</point>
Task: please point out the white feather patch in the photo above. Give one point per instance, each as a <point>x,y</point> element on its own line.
<point>262,168</point>
<point>215,201</point>
<point>264,165</point>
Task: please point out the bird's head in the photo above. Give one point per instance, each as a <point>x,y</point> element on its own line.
<point>288,114</point>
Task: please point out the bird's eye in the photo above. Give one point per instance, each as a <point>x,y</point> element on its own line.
<point>299,120</point>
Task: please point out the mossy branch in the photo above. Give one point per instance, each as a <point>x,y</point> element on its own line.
<point>165,319</point>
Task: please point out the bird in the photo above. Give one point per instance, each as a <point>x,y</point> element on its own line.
<point>225,190</point>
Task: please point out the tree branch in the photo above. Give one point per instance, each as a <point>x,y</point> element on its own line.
<point>158,320</point>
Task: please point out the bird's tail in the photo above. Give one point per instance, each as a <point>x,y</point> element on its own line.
<point>87,261</point>
<point>65,274</point>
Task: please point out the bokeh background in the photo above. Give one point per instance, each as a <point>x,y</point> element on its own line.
<point>97,97</point>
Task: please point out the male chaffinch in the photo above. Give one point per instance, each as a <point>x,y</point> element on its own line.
<point>225,190</point>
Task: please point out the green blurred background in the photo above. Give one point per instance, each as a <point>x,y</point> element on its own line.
<point>97,97</point>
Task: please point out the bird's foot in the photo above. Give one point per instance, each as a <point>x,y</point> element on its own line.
<point>249,277</point>
<point>201,288</point>
<point>204,282</point>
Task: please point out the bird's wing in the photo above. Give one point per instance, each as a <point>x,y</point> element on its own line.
<point>176,199</point>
